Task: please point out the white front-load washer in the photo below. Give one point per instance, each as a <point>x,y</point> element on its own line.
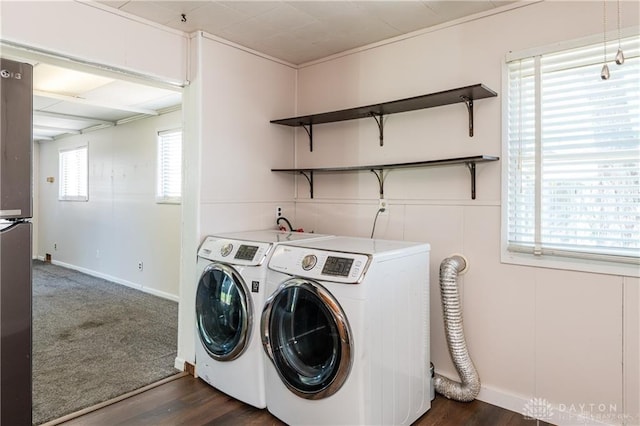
<point>346,328</point>
<point>229,299</point>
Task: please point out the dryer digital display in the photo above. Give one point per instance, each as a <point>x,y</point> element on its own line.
<point>339,266</point>
<point>246,252</point>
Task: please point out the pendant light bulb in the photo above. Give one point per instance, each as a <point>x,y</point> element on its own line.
<point>604,74</point>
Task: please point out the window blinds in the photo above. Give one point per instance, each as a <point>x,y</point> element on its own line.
<point>169,187</point>
<point>574,155</point>
<point>74,174</point>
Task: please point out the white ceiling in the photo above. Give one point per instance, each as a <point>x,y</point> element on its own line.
<point>303,30</point>
<point>68,102</point>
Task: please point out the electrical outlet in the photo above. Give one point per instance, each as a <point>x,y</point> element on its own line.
<point>383,207</point>
<point>140,266</point>
<point>97,253</point>
<point>278,212</point>
<point>55,246</point>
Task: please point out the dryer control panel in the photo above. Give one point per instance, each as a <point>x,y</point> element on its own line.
<point>348,268</point>
<point>235,252</point>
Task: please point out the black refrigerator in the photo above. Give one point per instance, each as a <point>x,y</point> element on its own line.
<point>16,139</point>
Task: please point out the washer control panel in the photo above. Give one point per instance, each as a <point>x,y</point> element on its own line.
<point>348,268</point>
<point>236,252</point>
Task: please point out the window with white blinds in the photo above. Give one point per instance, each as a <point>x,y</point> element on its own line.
<point>74,174</point>
<point>169,180</point>
<point>573,153</point>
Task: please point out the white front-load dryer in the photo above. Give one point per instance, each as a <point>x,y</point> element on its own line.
<point>346,330</point>
<point>229,299</point>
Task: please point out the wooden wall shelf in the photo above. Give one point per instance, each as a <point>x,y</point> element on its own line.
<point>377,111</point>
<point>378,169</point>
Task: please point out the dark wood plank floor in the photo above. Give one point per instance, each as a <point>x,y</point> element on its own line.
<point>190,401</point>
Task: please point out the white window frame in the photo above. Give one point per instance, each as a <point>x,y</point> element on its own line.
<point>587,263</point>
<point>83,175</point>
<point>162,197</point>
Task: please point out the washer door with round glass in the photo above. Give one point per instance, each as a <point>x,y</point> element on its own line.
<point>307,337</point>
<point>223,312</point>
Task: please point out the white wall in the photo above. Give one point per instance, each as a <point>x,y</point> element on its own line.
<point>233,95</point>
<point>85,31</point>
<point>532,332</point>
<point>121,224</point>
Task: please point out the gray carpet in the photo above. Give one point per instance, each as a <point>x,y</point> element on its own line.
<point>94,340</point>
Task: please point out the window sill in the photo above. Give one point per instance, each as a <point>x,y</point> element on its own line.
<point>83,199</point>
<point>168,201</point>
<point>571,264</point>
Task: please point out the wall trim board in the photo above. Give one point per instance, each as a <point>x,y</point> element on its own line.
<point>242,48</point>
<point>180,364</point>
<point>111,278</point>
<point>561,415</point>
<point>502,398</point>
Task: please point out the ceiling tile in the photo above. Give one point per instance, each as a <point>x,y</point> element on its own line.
<point>285,17</point>
<point>40,102</point>
<point>61,122</point>
<point>114,3</point>
<point>211,17</point>
<point>251,8</point>
<point>448,11</point>
<point>149,11</point>
<point>404,16</point>
<point>178,6</point>
<point>49,78</point>
<point>125,93</point>
<point>88,111</point>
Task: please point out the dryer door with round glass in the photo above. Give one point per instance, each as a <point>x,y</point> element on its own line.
<point>307,337</point>
<point>223,312</point>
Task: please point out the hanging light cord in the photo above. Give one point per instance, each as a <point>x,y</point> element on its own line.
<point>619,55</point>
<point>618,24</point>
<point>604,74</point>
<point>604,32</point>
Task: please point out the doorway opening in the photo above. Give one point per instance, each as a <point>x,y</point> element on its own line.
<point>105,238</point>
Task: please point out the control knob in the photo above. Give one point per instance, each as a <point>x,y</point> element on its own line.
<point>226,249</point>
<point>309,261</point>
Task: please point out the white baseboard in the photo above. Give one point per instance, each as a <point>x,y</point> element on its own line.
<point>179,364</point>
<point>500,398</point>
<point>116,280</point>
<point>541,409</point>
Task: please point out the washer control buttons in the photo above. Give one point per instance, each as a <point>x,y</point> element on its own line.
<point>226,249</point>
<point>309,261</point>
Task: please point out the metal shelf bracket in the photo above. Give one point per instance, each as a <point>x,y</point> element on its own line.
<point>380,123</point>
<point>380,176</point>
<point>309,131</point>
<point>472,171</point>
<point>309,177</point>
<point>469,103</point>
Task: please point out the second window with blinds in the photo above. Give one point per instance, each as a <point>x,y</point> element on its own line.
<point>169,175</point>
<point>73,169</point>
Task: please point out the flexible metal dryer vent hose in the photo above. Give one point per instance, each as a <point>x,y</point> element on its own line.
<point>469,388</point>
